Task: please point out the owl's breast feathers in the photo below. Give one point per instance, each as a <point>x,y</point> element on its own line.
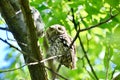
<point>61,46</point>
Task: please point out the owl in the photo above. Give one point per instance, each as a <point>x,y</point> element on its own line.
<point>59,43</point>
<point>37,21</point>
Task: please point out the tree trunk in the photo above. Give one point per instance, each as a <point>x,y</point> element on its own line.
<point>25,35</point>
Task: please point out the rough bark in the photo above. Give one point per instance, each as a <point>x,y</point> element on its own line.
<point>24,33</point>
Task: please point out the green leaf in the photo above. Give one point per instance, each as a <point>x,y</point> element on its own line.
<point>107,56</point>
<point>91,9</point>
<point>116,60</point>
<point>101,74</point>
<point>116,38</point>
<point>106,60</point>
<point>75,3</point>
<point>113,3</point>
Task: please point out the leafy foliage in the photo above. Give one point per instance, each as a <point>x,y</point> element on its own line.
<point>101,43</point>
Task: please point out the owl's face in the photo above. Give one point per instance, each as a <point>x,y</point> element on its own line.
<point>55,30</point>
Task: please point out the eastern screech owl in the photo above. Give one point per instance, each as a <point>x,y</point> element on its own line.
<point>59,45</point>
<point>37,21</point>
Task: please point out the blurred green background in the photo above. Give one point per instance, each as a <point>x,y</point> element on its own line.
<point>102,43</point>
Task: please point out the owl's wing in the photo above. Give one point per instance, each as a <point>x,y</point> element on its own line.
<point>66,40</point>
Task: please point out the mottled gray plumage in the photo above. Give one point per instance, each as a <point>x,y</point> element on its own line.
<point>59,45</point>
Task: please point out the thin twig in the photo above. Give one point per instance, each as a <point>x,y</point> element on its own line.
<point>24,53</point>
<point>107,66</point>
<point>75,25</point>
<point>33,63</point>
<point>96,25</point>
<point>74,39</point>
<point>56,73</point>
<point>73,20</point>
<point>58,68</point>
<point>9,70</point>
<point>6,29</point>
<point>87,70</point>
<point>113,73</point>
<point>85,53</point>
<point>1,27</point>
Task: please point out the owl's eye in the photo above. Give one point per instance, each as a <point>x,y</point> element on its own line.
<point>51,29</point>
<point>59,28</point>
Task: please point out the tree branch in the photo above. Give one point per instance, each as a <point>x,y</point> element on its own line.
<point>20,30</point>
<point>9,70</point>
<point>96,25</point>
<point>85,53</point>
<point>91,27</point>
<point>24,53</point>
<point>86,68</point>
<point>35,63</point>
<point>56,73</point>
<point>6,29</point>
<point>33,45</point>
